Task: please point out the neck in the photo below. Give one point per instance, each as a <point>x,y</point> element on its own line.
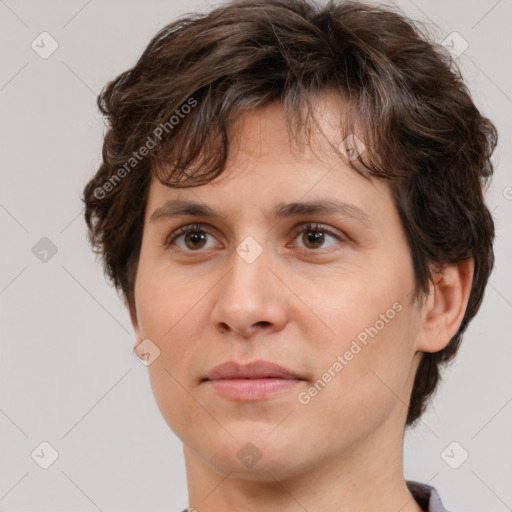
<point>367,476</point>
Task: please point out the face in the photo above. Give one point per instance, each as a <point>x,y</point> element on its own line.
<point>324,293</point>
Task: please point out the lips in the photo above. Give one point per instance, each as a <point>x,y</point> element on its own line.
<point>254,370</point>
<point>256,381</point>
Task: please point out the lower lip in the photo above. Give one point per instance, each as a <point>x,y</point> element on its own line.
<point>252,389</point>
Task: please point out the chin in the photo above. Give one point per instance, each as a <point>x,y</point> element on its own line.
<point>256,456</point>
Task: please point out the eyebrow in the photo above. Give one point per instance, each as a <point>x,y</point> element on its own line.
<point>175,207</point>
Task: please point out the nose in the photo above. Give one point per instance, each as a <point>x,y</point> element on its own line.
<point>250,298</point>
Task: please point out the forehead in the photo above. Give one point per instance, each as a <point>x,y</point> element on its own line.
<point>265,169</point>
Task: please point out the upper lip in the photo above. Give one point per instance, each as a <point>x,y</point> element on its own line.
<point>253,370</point>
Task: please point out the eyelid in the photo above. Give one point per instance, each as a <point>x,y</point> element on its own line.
<point>317,226</point>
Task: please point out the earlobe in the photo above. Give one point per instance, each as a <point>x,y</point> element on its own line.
<point>446,304</point>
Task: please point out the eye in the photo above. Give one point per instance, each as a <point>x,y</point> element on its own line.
<point>194,237</point>
<point>314,236</point>
<point>189,238</point>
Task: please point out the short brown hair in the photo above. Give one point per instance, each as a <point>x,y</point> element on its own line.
<point>421,129</point>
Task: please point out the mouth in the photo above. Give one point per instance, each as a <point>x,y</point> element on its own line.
<point>255,381</point>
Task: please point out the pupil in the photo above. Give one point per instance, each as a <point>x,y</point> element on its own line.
<point>194,237</point>
<point>314,237</point>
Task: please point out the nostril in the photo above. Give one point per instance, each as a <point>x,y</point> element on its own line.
<point>223,327</point>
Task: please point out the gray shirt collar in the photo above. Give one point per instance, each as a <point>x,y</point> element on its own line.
<point>426,496</point>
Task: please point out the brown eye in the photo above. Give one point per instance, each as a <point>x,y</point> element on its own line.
<point>315,236</point>
<point>191,238</point>
<point>313,239</point>
<point>195,239</point>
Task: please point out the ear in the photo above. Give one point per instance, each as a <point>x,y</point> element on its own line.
<point>445,306</point>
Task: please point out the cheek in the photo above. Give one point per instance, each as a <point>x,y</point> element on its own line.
<point>165,299</point>
<point>361,302</point>
<point>364,361</point>
<point>364,375</point>
<point>168,309</point>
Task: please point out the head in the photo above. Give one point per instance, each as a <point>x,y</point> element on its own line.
<point>262,103</point>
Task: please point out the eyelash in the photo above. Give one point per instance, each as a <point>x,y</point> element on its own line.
<point>197,227</point>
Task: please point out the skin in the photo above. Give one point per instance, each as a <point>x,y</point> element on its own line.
<point>298,304</point>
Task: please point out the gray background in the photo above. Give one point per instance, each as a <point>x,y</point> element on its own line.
<point>68,374</point>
